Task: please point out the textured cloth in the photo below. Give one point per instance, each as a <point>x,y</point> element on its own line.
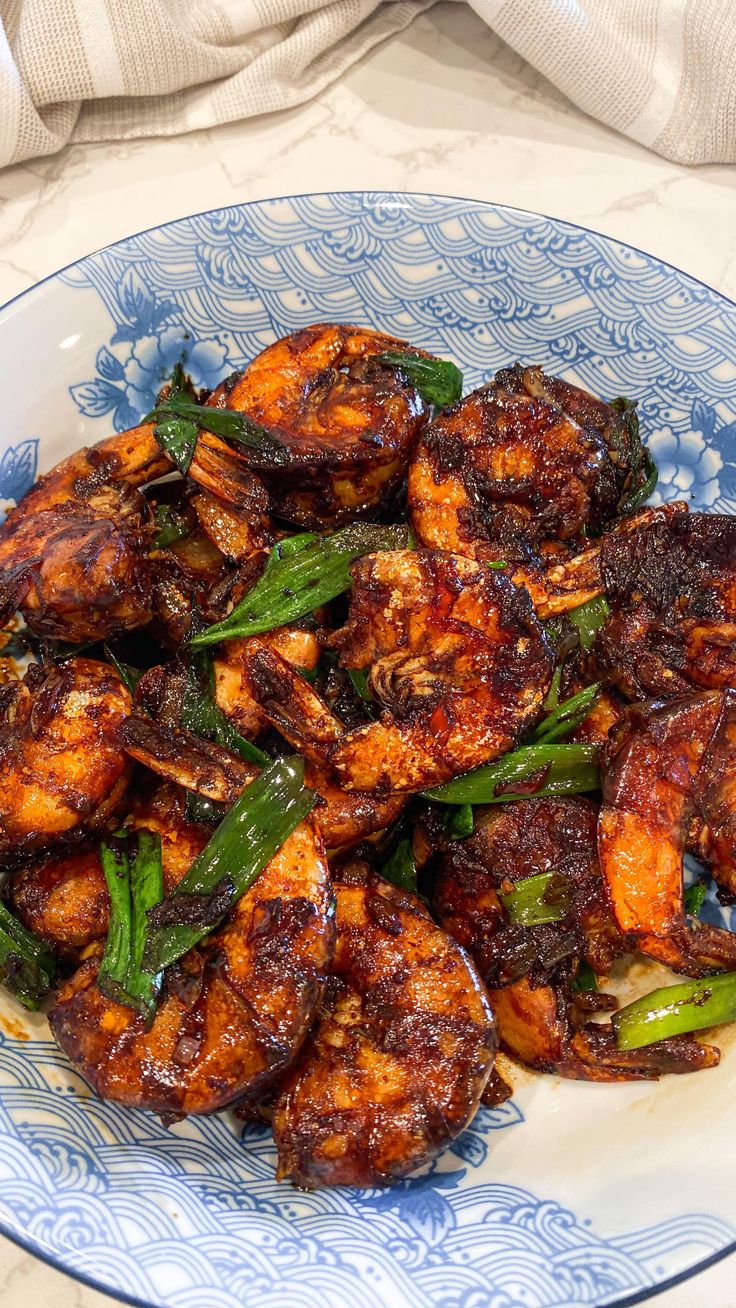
<point>661,71</point>
<point>98,70</point>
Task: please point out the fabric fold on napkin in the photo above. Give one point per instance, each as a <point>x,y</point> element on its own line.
<point>661,71</point>
<point>98,70</point>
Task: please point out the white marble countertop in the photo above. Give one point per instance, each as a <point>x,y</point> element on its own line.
<point>445,107</point>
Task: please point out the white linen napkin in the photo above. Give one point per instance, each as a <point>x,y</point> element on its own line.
<point>98,70</point>
<point>661,71</point>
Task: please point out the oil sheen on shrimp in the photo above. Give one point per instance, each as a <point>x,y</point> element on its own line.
<point>523,458</point>
<point>347,420</point>
<point>63,768</point>
<point>664,765</point>
<point>234,1011</point>
<point>542,1020</point>
<point>456,659</point>
<point>401,1053</point>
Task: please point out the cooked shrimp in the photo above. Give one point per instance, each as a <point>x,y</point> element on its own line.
<point>63,897</point>
<point>528,969</point>
<point>456,658</point>
<point>559,584</point>
<point>545,1027</point>
<point>671,587</point>
<point>261,687</point>
<point>63,768</point>
<point>523,458</point>
<point>347,420</point>
<point>232,694</point>
<point>76,549</point>
<point>289,704</point>
<point>234,1011</point>
<point>663,765</point>
<point>510,842</point>
<point>401,1053</point>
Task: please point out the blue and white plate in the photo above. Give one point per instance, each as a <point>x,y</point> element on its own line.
<point>571,1194</point>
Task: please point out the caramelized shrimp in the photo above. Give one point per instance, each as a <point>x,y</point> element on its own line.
<point>76,549</point>
<point>671,587</point>
<point>63,768</point>
<point>510,842</point>
<point>78,540</point>
<point>563,583</point>
<point>347,420</point>
<point>456,658</point>
<point>233,1012</point>
<point>298,648</point>
<point>63,897</point>
<point>664,765</point>
<point>541,1020</point>
<point>523,458</point>
<point>401,1052</point>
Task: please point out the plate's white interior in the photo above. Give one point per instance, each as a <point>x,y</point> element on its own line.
<point>578,1193</point>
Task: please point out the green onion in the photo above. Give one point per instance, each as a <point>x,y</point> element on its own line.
<point>177,436</point>
<point>437,380</point>
<point>640,496</point>
<point>359,681</point>
<point>568,770</point>
<point>171,526</point>
<point>179,418</point>
<point>203,717</point>
<point>588,619</point>
<point>459,822</point>
<point>27,965</point>
<point>535,900</point>
<point>676,1010</point>
<point>496,564</point>
<point>249,835</point>
<point>553,694</point>
<point>301,574</point>
<point>586,979</point>
<point>400,868</point>
<point>134,887</point>
<point>128,675</point>
<point>694,897</point>
<point>639,457</point>
<point>568,715</point>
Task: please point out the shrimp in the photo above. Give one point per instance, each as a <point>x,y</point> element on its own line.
<point>671,587</point>
<point>260,687</point>
<point>347,420</point>
<point>520,459</point>
<point>510,842</point>
<point>401,1053</point>
<point>541,1021</point>
<point>457,660</point>
<point>664,765</point>
<point>289,704</point>
<point>63,769</point>
<point>76,550</point>
<point>558,584</point>
<point>298,648</point>
<point>233,1012</point>
<point>63,897</point>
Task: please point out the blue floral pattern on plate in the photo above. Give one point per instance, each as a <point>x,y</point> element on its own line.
<point>190,1217</point>
<point>18,465</point>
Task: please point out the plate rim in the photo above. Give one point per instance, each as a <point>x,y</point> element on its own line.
<point>317,195</point>
<point>25,1241</point>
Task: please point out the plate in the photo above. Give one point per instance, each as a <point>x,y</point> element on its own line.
<point>571,1193</point>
